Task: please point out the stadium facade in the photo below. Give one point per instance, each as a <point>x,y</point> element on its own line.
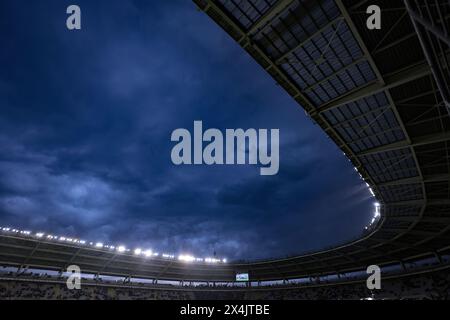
<point>381,95</point>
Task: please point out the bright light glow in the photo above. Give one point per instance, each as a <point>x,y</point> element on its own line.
<point>122,248</point>
<point>376,214</point>
<point>377,210</point>
<point>148,253</point>
<point>186,258</point>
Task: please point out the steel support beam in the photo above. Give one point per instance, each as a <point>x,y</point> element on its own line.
<point>27,259</point>
<point>359,39</point>
<point>433,202</point>
<point>275,10</point>
<point>427,46</point>
<point>416,142</point>
<point>394,43</point>
<point>375,112</point>
<point>334,74</point>
<point>391,81</point>
<point>282,59</point>
<point>416,180</point>
<point>427,24</point>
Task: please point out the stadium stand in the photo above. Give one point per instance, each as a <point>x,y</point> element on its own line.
<point>425,285</point>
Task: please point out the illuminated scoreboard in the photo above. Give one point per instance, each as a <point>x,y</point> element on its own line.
<point>241,277</point>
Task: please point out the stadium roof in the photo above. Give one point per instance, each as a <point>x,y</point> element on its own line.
<point>380,95</point>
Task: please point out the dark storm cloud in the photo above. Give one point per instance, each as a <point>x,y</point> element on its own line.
<point>85,124</point>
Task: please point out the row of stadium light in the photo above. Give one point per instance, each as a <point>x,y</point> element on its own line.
<point>376,215</point>
<point>377,205</point>
<point>362,178</point>
<point>148,253</point>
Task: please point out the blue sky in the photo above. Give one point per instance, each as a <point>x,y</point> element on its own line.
<point>85,124</point>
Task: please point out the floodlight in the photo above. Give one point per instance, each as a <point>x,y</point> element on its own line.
<point>148,253</point>
<point>186,258</point>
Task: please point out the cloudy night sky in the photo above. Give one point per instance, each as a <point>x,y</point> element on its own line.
<point>85,124</point>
